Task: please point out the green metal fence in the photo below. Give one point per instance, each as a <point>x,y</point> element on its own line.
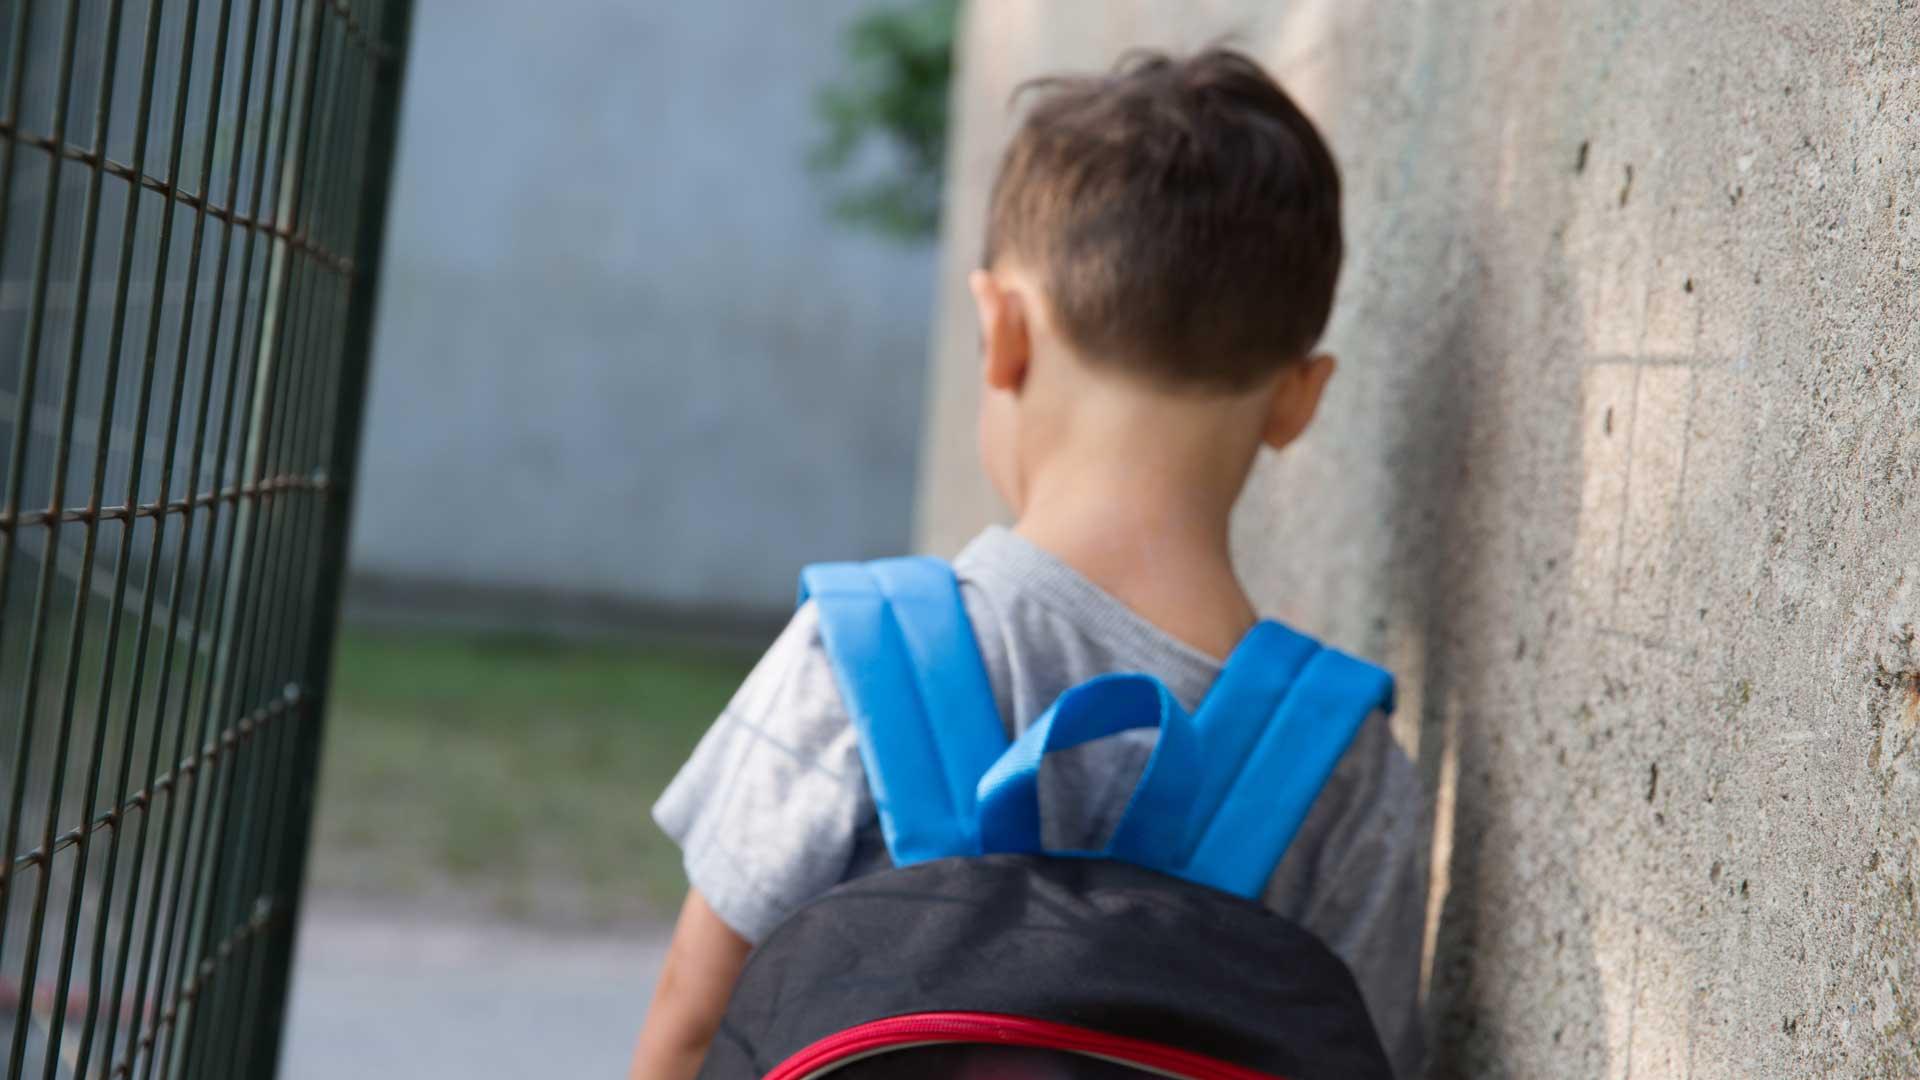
<point>191,201</point>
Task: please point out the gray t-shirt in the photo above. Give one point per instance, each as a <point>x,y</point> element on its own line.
<point>773,808</point>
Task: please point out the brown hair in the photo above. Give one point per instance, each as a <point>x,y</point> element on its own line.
<point>1183,216</point>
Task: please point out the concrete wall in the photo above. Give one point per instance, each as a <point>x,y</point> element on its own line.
<point>625,357</point>
<point>1621,474</point>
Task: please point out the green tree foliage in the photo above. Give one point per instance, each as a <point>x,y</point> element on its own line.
<point>894,94</point>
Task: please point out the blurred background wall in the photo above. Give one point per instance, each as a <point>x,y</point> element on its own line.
<point>628,369</point>
<point>1619,475</point>
<point>634,366</point>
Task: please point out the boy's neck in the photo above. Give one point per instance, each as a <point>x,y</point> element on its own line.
<point>1155,538</point>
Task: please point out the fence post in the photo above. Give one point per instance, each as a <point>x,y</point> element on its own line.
<point>341,468</point>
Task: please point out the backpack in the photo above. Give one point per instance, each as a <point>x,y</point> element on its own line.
<point>981,955</point>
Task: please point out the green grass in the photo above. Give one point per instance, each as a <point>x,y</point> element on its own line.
<point>512,774</point>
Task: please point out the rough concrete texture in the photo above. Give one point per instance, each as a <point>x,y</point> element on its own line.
<point>1621,475</point>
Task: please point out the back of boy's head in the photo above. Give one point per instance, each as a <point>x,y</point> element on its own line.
<point>1182,217</point>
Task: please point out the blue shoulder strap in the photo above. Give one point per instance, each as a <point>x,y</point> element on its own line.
<point>1273,727</point>
<point>910,672</point>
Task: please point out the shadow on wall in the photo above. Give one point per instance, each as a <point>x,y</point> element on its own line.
<point>1419,341</point>
<point>1437,520</point>
<point>1647,454</point>
<point>1483,620</point>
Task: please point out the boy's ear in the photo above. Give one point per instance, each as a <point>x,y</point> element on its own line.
<point>1006,341</point>
<point>1296,396</point>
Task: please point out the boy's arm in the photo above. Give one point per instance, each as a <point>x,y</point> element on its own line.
<point>703,962</point>
<point>767,811</point>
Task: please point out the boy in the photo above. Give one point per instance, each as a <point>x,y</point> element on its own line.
<point>1161,253</point>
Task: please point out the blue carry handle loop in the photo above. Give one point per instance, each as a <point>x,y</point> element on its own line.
<point>910,673</point>
<point>1154,825</point>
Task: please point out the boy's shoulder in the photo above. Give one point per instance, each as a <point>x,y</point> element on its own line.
<point>794,675</point>
<point>768,808</point>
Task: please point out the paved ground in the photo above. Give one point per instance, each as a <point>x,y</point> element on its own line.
<point>382,995</point>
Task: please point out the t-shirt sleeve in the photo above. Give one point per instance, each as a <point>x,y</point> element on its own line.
<point>1363,876</point>
<point>768,808</point>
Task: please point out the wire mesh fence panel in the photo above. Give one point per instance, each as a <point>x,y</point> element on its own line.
<point>191,201</point>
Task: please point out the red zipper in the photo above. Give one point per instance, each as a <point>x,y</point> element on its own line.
<point>918,1029</point>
